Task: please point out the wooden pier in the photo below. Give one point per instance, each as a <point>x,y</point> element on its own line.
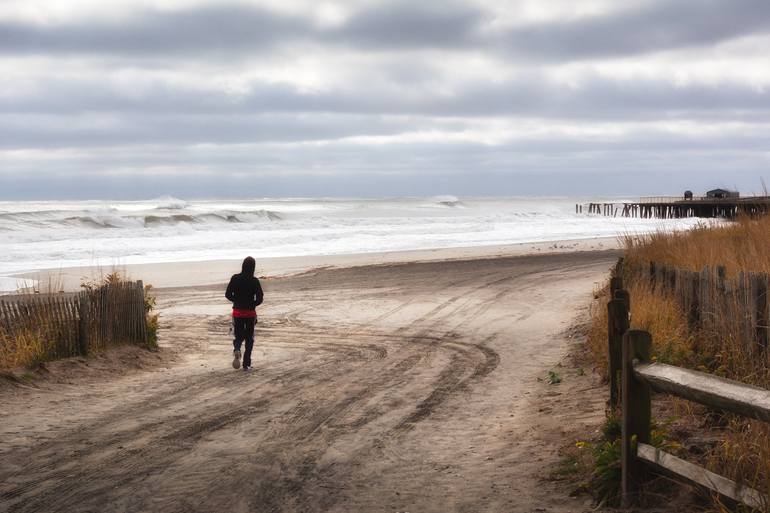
<point>677,208</point>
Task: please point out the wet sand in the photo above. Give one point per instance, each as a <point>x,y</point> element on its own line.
<point>397,387</point>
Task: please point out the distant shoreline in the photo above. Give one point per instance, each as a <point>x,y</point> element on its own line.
<point>91,239</point>
<point>210,272</point>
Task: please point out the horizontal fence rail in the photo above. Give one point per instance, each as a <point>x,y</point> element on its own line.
<point>683,470</point>
<point>706,389</point>
<point>634,377</point>
<point>64,325</point>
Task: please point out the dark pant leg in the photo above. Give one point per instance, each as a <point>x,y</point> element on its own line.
<point>238,333</point>
<point>248,332</point>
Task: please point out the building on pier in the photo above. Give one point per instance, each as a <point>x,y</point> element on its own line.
<point>722,194</point>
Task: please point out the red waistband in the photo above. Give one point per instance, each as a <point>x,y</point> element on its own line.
<point>243,313</point>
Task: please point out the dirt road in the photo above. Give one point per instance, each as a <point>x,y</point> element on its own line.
<point>414,387</point>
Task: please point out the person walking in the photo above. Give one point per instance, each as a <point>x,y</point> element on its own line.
<point>245,292</point>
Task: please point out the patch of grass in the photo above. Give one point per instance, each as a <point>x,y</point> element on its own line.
<point>604,484</point>
<point>611,429</point>
<point>605,480</point>
<point>567,468</point>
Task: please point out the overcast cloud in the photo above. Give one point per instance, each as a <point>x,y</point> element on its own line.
<point>200,98</point>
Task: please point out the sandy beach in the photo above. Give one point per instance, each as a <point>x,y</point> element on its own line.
<point>197,273</point>
<point>416,384</point>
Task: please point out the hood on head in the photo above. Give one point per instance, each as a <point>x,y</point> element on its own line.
<point>248,266</point>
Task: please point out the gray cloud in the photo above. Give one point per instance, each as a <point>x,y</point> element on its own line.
<point>655,26</point>
<point>282,113</point>
<point>92,131</point>
<point>406,73</point>
<point>659,164</point>
<point>236,30</point>
<point>655,148</point>
<point>222,29</point>
<point>403,24</point>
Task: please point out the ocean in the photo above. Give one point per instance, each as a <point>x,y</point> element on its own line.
<point>58,234</point>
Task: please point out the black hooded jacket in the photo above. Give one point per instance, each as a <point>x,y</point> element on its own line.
<point>244,289</point>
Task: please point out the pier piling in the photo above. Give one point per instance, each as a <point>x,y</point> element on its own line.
<point>678,208</point>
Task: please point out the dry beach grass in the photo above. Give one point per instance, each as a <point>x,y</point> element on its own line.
<point>734,447</point>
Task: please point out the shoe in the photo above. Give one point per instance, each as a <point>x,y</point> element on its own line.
<point>246,369</point>
<point>236,359</point>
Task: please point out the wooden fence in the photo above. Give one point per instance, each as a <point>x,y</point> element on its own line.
<point>633,377</point>
<point>76,324</point>
<point>717,304</point>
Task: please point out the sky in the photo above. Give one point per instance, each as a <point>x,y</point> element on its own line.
<point>292,98</point>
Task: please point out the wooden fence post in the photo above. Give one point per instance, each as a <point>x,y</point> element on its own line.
<point>636,414</point>
<point>693,311</point>
<point>758,284</point>
<point>660,276</point>
<point>617,325</point>
<point>616,277</point>
<point>670,278</point>
<point>721,276</point>
<point>745,304</point>
<point>84,324</point>
<point>143,315</point>
<point>705,303</point>
<point>625,296</point>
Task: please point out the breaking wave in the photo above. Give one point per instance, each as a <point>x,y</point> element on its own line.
<point>111,218</point>
<point>169,203</point>
<point>448,201</point>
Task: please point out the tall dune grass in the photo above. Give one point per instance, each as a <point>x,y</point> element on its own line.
<point>20,351</point>
<point>651,311</point>
<point>27,347</point>
<point>725,347</point>
<point>740,246</point>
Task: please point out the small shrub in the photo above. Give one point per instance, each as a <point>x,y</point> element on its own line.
<point>152,319</point>
<point>604,483</point>
<point>611,429</point>
<point>605,480</point>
